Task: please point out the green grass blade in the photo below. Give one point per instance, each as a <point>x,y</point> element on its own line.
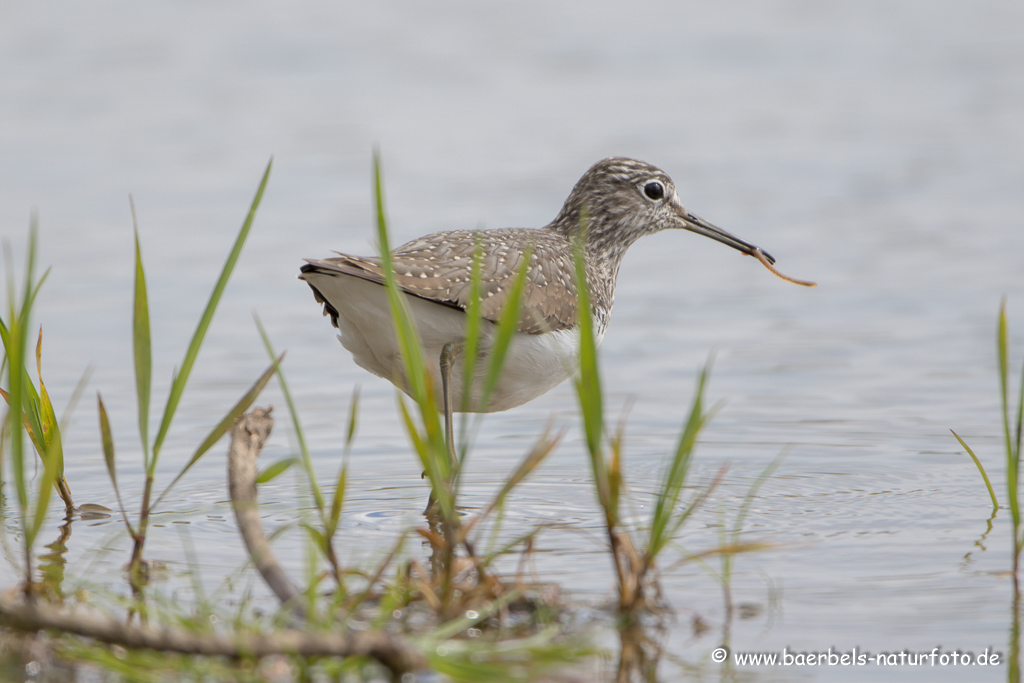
<point>300,435</point>
<point>275,470</point>
<point>386,602</point>
<point>418,444</point>
<point>507,545</point>
<point>532,658</point>
<point>17,414</point>
<point>436,468</point>
<point>1015,446</point>
<point>418,379</point>
<point>981,468</point>
<point>589,383</point>
<point>615,479</point>
<point>675,475</point>
<point>76,395</point>
<point>694,504</point>
<point>107,436</point>
<point>141,343</point>
<point>471,351</point>
<point>17,378</point>
<point>588,388</point>
<point>31,414</point>
<point>47,482</point>
<point>1012,428</point>
<point>1012,454</point>
<point>65,418</point>
<point>741,516</point>
<point>223,426</point>
<point>52,452</point>
<point>417,376</point>
<point>181,377</point>
<point>353,420</point>
<point>338,500</point>
<point>48,425</point>
<point>457,625</point>
<point>731,538</point>
<point>408,337</point>
<point>508,324</point>
<point>1004,371</point>
<point>318,538</point>
<point>544,446</point>
<point>501,341</point>
<point>471,346</point>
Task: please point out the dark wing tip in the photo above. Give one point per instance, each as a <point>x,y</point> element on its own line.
<point>321,299</point>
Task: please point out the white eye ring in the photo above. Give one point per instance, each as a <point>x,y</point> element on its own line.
<point>654,191</point>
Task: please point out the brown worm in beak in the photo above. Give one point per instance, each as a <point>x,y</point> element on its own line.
<point>764,262</point>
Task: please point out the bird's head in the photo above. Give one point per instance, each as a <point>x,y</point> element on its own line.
<point>620,200</point>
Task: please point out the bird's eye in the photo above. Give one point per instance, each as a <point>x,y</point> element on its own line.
<point>654,190</point>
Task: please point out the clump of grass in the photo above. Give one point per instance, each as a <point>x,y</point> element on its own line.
<point>632,559</point>
<point>634,552</point>
<point>435,455</point>
<point>29,412</point>
<point>35,408</point>
<point>1012,424</point>
<point>730,544</point>
<point>1012,421</point>
<point>142,354</point>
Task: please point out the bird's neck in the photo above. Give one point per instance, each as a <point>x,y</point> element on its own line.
<point>606,240</point>
<point>606,237</point>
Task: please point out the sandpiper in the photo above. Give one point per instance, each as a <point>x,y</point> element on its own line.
<point>620,200</point>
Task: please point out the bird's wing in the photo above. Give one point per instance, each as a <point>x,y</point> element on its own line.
<point>438,268</point>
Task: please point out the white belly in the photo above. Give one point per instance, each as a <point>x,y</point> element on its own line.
<point>534,364</point>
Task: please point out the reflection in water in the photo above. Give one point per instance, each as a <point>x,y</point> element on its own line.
<point>639,654</point>
<point>53,562</point>
<point>91,512</point>
<point>1014,664</point>
<point>980,543</point>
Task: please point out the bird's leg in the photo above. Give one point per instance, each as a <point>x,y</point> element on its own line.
<point>449,352</point>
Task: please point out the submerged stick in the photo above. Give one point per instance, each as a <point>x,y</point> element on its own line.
<point>759,255</point>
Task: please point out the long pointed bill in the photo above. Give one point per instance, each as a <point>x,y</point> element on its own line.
<point>702,227</point>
